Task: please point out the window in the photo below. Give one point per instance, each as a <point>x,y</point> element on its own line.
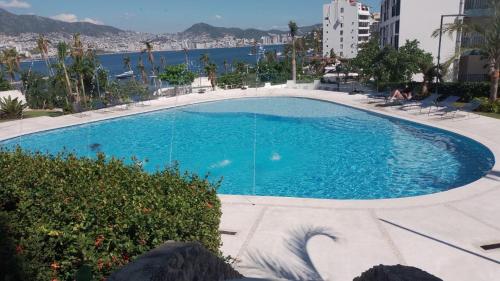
<point>341,10</point>
<point>342,46</point>
<point>397,28</point>
<point>341,39</point>
<point>341,32</point>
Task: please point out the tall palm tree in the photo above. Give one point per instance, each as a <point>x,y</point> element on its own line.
<point>77,54</point>
<point>62,53</point>
<point>43,46</point>
<point>211,71</point>
<point>205,59</point>
<point>149,51</point>
<point>226,65</point>
<point>163,62</point>
<point>127,63</point>
<point>151,59</point>
<point>142,70</point>
<point>11,61</point>
<point>293,33</point>
<point>489,47</point>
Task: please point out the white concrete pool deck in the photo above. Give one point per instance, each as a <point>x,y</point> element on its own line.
<point>312,239</point>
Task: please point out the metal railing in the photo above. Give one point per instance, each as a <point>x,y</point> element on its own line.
<point>476,4</point>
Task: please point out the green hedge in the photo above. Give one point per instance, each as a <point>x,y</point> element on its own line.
<point>466,90</point>
<point>63,213</point>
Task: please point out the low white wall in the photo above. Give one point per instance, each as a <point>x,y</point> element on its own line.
<point>13,94</point>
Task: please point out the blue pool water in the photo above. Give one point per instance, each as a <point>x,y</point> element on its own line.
<point>284,147</point>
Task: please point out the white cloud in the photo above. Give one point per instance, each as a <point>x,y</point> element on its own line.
<point>15,4</point>
<point>65,17</point>
<point>218,17</point>
<point>73,18</point>
<point>89,20</point>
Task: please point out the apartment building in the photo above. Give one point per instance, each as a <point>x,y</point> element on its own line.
<point>472,65</point>
<point>346,24</point>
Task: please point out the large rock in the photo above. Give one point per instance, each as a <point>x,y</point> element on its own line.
<point>396,273</point>
<point>177,261</point>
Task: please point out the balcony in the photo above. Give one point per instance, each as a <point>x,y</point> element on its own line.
<point>476,8</point>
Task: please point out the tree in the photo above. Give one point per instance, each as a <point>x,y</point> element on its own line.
<point>77,54</point>
<point>226,65</point>
<point>293,32</point>
<point>177,75</point>
<point>43,46</point>
<point>211,71</point>
<point>11,61</point>
<point>489,47</point>
<point>151,59</point>
<point>4,84</point>
<point>127,63</point>
<point>205,59</point>
<point>62,53</point>
<point>366,58</point>
<point>142,71</point>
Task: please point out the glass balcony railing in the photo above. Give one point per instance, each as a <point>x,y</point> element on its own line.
<point>476,4</point>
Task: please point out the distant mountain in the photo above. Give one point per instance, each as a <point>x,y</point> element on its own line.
<point>203,29</point>
<point>13,24</point>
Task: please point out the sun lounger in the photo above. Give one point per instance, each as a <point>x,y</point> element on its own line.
<point>430,100</point>
<point>467,108</point>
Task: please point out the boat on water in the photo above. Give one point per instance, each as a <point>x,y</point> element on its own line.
<point>125,75</point>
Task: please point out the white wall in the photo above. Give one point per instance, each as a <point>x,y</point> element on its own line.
<point>13,94</point>
<point>420,18</point>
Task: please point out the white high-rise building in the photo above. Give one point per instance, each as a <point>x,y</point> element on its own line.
<point>403,20</point>
<point>346,24</point>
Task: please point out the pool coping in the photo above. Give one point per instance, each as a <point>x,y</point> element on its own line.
<point>489,183</point>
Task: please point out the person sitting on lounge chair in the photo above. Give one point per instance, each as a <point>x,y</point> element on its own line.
<point>405,94</point>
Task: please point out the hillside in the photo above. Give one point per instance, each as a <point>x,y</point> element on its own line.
<point>203,29</point>
<point>13,24</point>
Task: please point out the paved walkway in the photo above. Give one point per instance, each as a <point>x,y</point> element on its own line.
<point>311,239</point>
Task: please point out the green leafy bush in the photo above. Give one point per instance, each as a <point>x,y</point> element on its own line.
<point>63,213</point>
<point>4,84</point>
<point>466,90</point>
<point>11,108</point>
<point>231,80</point>
<point>488,106</point>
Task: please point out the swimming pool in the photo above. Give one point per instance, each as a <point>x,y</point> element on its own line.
<point>289,147</point>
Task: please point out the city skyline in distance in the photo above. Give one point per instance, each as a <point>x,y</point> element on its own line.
<point>156,16</point>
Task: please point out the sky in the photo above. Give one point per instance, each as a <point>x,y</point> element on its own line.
<point>167,16</point>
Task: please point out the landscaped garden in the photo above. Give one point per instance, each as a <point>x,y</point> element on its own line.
<point>62,216</point>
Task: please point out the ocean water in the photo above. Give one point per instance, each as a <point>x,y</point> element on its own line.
<point>284,147</point>
<point>114,62</point>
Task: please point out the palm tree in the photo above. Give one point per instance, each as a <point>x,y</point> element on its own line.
<point>186,55</point>
<point>142,70</point>
<point>163,62</point>
<point>10,59</point>
<point>149,51</point>
<point>226,65</point>
<point>205,59</point>
<point>211,71</point>
<point>62,53</point>
<point>43,47</point>
<point>127,63</point>
<point>489,48</point>
<point>77,54</point>
<point>293,32</point>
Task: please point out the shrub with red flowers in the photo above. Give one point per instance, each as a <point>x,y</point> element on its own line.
<point>59,214</point>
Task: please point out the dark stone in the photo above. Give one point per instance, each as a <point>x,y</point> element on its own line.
<point>176,261</point>
<point>396,273</point>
